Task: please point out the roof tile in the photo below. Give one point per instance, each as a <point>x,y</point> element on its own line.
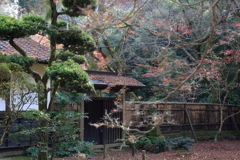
<point>31,47</point>
<point>99,78</point>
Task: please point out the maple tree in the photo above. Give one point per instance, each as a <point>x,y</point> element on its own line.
<point>173,39</point>
<point>170,42</point>
<point>169,47</point>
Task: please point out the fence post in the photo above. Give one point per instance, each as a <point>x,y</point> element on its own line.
<point>104,151</point>
<point>133,149</point>
<point>143,155</point>
<point>185,118</point>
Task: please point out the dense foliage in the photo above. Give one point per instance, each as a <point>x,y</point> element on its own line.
<point>163,46</point>
<point>70,77</point>
<point>62,133</point>
<point>65,73</point>
<point>72,6</point>
<point>181,143</point>
<point>160,146</point>
<point>13,28</point>
<point>76,41</point>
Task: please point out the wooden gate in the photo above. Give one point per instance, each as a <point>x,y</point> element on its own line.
<point>95,111</point>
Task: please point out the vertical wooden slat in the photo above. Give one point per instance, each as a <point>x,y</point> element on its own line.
<point>185,118</point>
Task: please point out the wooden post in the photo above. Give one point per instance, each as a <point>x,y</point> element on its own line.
<point>104,151</point>
<point>185,118</point>
<point>143,155</point>
<point>112,158</point>
<point>133,150</point>
<point>81,122</point>
<point>123,114</point>
<point>190,123</point>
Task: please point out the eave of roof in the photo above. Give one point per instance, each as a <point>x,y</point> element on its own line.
<point>116,81</point>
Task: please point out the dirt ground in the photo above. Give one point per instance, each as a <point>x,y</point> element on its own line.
<point>207,150</point>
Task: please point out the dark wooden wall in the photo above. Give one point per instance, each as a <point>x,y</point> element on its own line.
<point>203,116</point>
<point>11,142</point>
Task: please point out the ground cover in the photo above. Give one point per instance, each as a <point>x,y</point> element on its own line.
<point>223,150</point>
<point>227,148</point>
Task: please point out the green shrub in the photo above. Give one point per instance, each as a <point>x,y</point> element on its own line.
<point>143,143</point>
<point>181,143</point>
<point>160,146</point>
<point>62,132</point>
<point>66,149</point>
<point>32,151</point>
<point>130,143</point>
<point>153,139</point>
<point>155,132</point>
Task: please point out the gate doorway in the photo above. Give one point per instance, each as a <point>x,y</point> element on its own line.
<point>95,111</point>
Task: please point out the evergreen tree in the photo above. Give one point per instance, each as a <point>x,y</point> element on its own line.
<point>63,68</point>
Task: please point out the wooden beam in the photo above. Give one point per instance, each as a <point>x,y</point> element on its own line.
<point>107,146</point>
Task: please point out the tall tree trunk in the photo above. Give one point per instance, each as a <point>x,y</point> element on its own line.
<point>43,135</point>
<point>43,143</point>
<point>43,107</point>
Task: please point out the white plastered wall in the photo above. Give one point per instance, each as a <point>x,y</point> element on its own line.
<point>2,105</point>
<point>39,68</point>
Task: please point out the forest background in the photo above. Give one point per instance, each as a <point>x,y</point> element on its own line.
<point>182,50</point>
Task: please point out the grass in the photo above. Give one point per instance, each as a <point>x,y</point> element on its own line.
<point>205,135</point>
<point>18,158</point>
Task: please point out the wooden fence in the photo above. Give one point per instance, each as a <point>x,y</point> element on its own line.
<point>11,141</point>
<point>203,116</point>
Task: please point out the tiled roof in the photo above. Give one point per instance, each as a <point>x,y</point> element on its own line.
<point>43,40</point>
<point>31,47</point>
<point>103,79</point>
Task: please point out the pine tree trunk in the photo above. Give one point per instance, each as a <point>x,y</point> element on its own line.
<point>43,143</point>
<point>43,154</point>
<point>43,135</point>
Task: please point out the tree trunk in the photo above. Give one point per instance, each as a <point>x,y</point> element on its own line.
<point>43,135</point>
<point>43,143</point>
